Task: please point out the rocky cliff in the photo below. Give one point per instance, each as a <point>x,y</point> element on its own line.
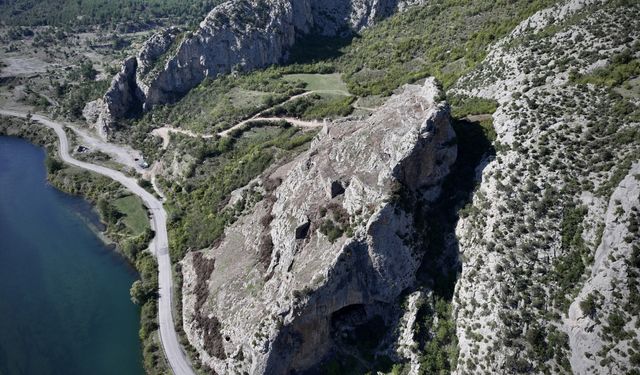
<point>235,36</point>
<point>333,246</point>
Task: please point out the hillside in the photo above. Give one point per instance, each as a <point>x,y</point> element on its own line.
<point>404,187</point>
<point>543,246</point>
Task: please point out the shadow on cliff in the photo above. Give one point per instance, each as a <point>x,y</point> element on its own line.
<point>312,48</point>
<point>360,332</point>
<point>440,266</point>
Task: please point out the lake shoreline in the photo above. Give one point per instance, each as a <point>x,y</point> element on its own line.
<point>50,147</point>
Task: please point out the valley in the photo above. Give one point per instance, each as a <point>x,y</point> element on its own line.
<point>402,187</point>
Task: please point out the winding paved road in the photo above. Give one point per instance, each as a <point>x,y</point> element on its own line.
<point>159,246</point>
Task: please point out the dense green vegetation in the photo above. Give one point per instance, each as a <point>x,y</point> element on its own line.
<point>622,67</point>
<point>443,38</point>
<point>315,107</point>
<point>463,106</point>
<point>319,82</point>
<point>134,13</point>
<point>438,332</point>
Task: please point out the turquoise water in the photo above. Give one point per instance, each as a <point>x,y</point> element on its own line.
<point>64,296</point>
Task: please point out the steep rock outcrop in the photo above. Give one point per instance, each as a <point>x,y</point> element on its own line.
<point>121,100</point>
<point>238,35</point>
<point>309,253</point>
<point>611,267</point>
<point>153,49</point>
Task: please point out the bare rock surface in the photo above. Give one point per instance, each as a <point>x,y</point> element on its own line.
<point>263,300</point>
<point>609,270</point>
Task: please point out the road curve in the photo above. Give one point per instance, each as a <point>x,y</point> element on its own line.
<point>159,245</point>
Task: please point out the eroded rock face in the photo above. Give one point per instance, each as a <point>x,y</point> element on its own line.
<point>123,96</point>
<point>611,266</point>
<point>97,114</point>
<point>276,287</point>
<point>121,100</point>
<point>154,48</point>
<point>235,36</point>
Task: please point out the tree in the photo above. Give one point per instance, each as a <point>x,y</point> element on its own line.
<point>588,306</point>
<point>107,211</point>
<point>52,164</point>
<point>87,71</point>
<point>139,292</point>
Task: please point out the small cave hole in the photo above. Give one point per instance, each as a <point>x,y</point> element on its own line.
<point>337,188</point>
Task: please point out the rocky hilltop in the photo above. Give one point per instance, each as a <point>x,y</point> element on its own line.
<point>235,36</point>
<point>331,247</point>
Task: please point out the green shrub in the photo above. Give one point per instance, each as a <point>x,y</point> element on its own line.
<point>332,230</point>
<point>462,106</point>
<point>589,305</point>
<point>622,67</point>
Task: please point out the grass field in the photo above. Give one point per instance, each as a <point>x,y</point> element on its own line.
<point>247,98</point>
<point>135,215</point>
<point>320,82</point>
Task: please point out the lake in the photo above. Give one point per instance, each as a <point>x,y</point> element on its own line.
<point>64,295</point>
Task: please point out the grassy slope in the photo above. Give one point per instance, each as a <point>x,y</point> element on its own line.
<point>444,38</point>
<point>319,82</point>
<point>135,215</point>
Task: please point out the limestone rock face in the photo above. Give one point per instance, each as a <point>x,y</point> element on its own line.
<point>235,36</point>
<point>616,247</point>
<point>97,113</point>
<point>154,48</point>
<point>263,300</point>
<point>122,99</point>
<point>122,95</point>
